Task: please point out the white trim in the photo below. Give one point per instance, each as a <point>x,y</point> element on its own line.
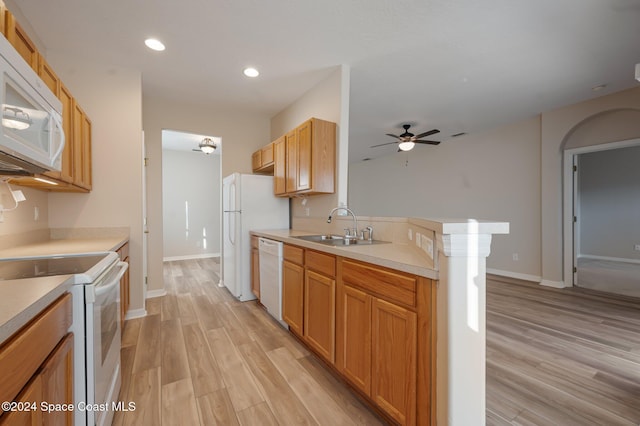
<point>191,256</point>
<point>135,313</point>
<point>611,259</point>
<point>567,195</point>
<point>554,284</point>
<point>156,293</point>
<point>517,275</point>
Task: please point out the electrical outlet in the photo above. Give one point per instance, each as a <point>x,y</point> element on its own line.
<point>36,214</point>
<point>427,246</point>
<point>410,234</point>
<point>515,257</point>
<point>418,238</point>
<point>307,211</point>
<point>636,247</point>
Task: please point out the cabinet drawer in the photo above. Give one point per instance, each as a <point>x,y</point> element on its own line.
<point>322,263</point>
<point>293,254</point>
<point>23,354</point>
<point>390,285</point>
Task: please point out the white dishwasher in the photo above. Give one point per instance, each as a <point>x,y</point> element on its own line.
<point>271,277</point>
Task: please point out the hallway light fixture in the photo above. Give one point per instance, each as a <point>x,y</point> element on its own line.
<point>207,146</point>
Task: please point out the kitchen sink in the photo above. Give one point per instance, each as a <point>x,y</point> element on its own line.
<point>338,240</point>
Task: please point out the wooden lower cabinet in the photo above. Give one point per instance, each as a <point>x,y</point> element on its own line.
<point>125,291</point>
<point>255,267</point>
<point>57,382</point>
<point>36,365</point>
<point>353,357</point>
<point>293,295</point>
<point>319,314</point>
<point>393,353</point>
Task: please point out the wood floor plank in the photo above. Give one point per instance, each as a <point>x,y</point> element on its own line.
<point>281,399</point>
<point>238,380</point>
<point>257,415</point>
<point>169,307</point>
<point>148,353</point>
<point>216,409</point>
<point>316,399</point>
<point>175,363</point>
<point>206,311</point>
<point>179,404</point>
<point>186,310</point>
<point>131,331</point>
<point>145,393</point>
<point>200,358</point>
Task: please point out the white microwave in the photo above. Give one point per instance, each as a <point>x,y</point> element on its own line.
<point>31,133</point>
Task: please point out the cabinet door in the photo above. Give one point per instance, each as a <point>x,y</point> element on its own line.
<point>256,160</point>
<point>279,166</point>
<point>18,37</point>
<point>293,295</point>
<point>394,360</point>
<point>31,393</point>
<point>57,382</point>
<point>81,148</point>
<point>353,346</point>
<point>303,143</point>
<point>291,184</point>
<point>319,314</point>
<point>255,271</point>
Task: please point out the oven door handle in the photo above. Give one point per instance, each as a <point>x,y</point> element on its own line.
<point>99,291</point>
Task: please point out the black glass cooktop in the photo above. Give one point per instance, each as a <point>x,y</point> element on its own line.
<point>45,267</point>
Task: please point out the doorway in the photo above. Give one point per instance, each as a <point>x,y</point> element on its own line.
<point>602,217</point>
<point>191,195</point>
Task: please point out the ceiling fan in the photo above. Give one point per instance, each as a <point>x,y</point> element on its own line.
<point>207,146</point>
<point>407,140</point>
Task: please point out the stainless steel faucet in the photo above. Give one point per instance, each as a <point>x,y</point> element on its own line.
<point>354,233</point>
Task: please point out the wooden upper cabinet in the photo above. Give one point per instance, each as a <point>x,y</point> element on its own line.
<point>48,75</point>
<point>81,148</point>
<point>279,166</point>
<point>310,158</point>
<point>20,40</point>
<point>262,160</point>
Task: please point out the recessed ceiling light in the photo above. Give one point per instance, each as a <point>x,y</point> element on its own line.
<point>154,44</point>
<point>251,72</point>
<point>598,87</point>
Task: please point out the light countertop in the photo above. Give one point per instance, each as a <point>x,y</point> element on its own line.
<point>66,246</point>
<point>401,257</point>
<point>21,300</point>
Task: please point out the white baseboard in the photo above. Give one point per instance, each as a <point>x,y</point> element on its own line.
<point>554,284</point>
<point>517,275</point>
<point>190,256</point>
<point>156,293</point>
<point>610,259</point>
<point>135,313</point>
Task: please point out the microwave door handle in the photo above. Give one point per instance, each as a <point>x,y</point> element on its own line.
<point>107,288</point>
<point>58,123</point>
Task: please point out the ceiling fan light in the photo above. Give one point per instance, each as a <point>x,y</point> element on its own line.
<point>406,146</point>
<point>208,149</point>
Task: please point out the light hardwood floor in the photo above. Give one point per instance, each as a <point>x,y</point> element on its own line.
<point>201,358</point>
<point>561,356</point>
<point>554,357</point>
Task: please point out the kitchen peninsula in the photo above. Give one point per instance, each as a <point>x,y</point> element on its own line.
<point>402,322</point>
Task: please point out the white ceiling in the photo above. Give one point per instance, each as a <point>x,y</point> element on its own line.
<point>455,65</point>
<point>181,141</point>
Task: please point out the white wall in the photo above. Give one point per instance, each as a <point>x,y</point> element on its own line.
<point>491,175</point>
<point>609,213</point>
<point>512,173</point>
<point>21,220</point>
<point>328,100</point>
<point>111,97</point>
<point>242,133</point>
<point>192,178</point>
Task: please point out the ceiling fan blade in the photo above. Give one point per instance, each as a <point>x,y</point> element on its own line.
<point>382,144</point>
<point>429,133</point>
<point>393,136</point>
<point>198,150</point>
<point>428,142</point>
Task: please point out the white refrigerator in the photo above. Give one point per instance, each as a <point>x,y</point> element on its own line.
<point>248,204</point>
